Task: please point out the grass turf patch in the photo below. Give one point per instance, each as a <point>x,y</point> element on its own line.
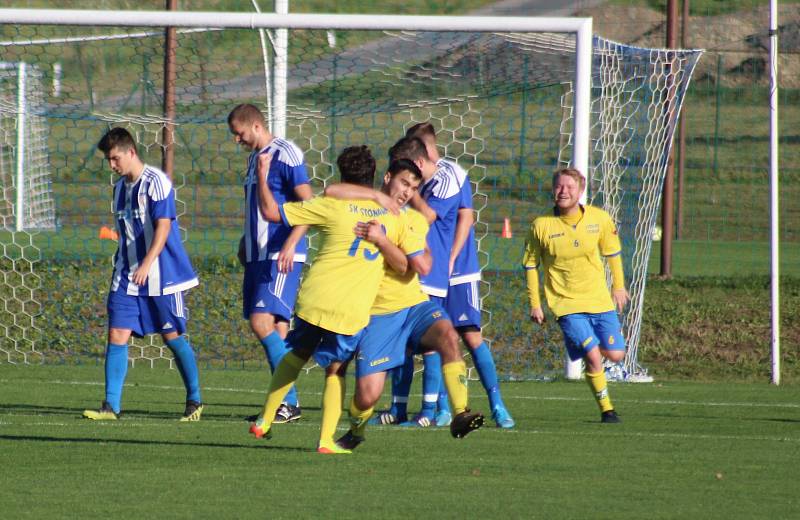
<point>684,449</point>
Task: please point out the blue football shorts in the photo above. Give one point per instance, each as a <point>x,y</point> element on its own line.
<point>585,331</point>
<point>422,317</point>
<point>266,290</point>
<point>463,304</point>
<point>144,315</point>
<point>383,343</point>
<point>327,346</point>
<point>387,337</point>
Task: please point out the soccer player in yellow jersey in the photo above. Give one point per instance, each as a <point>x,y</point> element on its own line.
<point>569,245</point>
<point>402,316</point>
<point>337,292</point>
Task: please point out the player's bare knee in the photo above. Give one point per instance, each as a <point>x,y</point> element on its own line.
<point>262,324</point>
<point>615,356</point>
<point>449,347</point>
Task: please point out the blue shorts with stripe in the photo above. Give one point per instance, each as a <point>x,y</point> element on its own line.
<point>584,331</point>
<point>463,304</point>
<point>144,315</point>
<point>266,290</point>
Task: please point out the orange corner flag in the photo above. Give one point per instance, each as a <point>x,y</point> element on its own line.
<point>108,233</point>
<point>506,229</point>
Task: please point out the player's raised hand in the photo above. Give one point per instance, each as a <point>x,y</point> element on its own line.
<point>387,202</point>
<point>620,298</point>
<point>537,315</point>
<point>286,258</point>
<point>264,161</point>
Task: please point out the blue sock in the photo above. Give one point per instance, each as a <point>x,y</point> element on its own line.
<point>443,402</point>
<point>431,382</point>
<point>484,364</point>
<point>187,366</point>
<point>116,370</point>
<point>402,377</point>
<point>275,348</point>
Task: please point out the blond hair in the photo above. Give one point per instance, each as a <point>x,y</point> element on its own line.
<point>570,172</point>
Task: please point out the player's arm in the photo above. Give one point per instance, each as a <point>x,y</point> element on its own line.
<point>373,232</point>
<point>619,295</point>
<point>530,262</point>
<point>465,221</point>
<point>286,254</point>
<point>419,204</point>
<point>266,201</point>
<point>347,191</point>
<point>421,263</point>
<point>160,235</point>
<point>611,248</point>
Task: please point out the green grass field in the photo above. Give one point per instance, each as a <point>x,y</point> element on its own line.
<point>684,450</point>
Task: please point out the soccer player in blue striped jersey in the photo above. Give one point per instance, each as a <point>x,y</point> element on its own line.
<point>272,253</point>
<point>151,273</point>
<point>462,302</point>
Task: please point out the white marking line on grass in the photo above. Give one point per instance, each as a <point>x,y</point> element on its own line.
<point>506,397</point>
<point>665,402</point>
<point>155,423</point>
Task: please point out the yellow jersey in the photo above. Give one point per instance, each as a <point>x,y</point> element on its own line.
<point>400,291</point>
<point>574,275</point>
<point>338,290</point>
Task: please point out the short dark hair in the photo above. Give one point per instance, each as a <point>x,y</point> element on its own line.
<point>411,148</point>
<point>404,165</point>
<point>357,165</point>
<point>116,138</point>
<point>422,130</point>
<point>246,113</point>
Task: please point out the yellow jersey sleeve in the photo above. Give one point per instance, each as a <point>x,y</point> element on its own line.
<point>400,291</point>
<point>609,242</point>
<point>532,254</point>
<point>313,212</point>
<point>412,237</point>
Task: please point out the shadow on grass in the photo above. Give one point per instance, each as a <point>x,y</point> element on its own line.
<point>150,443</point>
<point>31,409</point>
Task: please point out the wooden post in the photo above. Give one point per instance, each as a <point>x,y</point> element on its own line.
<point>667,210</point>
<point>682,135</point>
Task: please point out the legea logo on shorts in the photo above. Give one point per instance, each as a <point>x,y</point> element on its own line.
<point>378,361</point>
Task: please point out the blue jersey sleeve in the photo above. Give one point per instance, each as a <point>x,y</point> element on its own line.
<point>296,175</point>
<point>164,208</point>
<point>466,195</point>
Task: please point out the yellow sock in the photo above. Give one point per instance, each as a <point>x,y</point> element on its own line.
<point>282,380</point>
<point>332,402</point>
<point>455,379</point>
<point>597,382</point>
<point>359,418</point>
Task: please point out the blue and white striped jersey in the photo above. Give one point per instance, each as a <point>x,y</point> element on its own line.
<point>137,206</point>
<point>443,194</point>
<point>466,268</point>
<point>264,240</point>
